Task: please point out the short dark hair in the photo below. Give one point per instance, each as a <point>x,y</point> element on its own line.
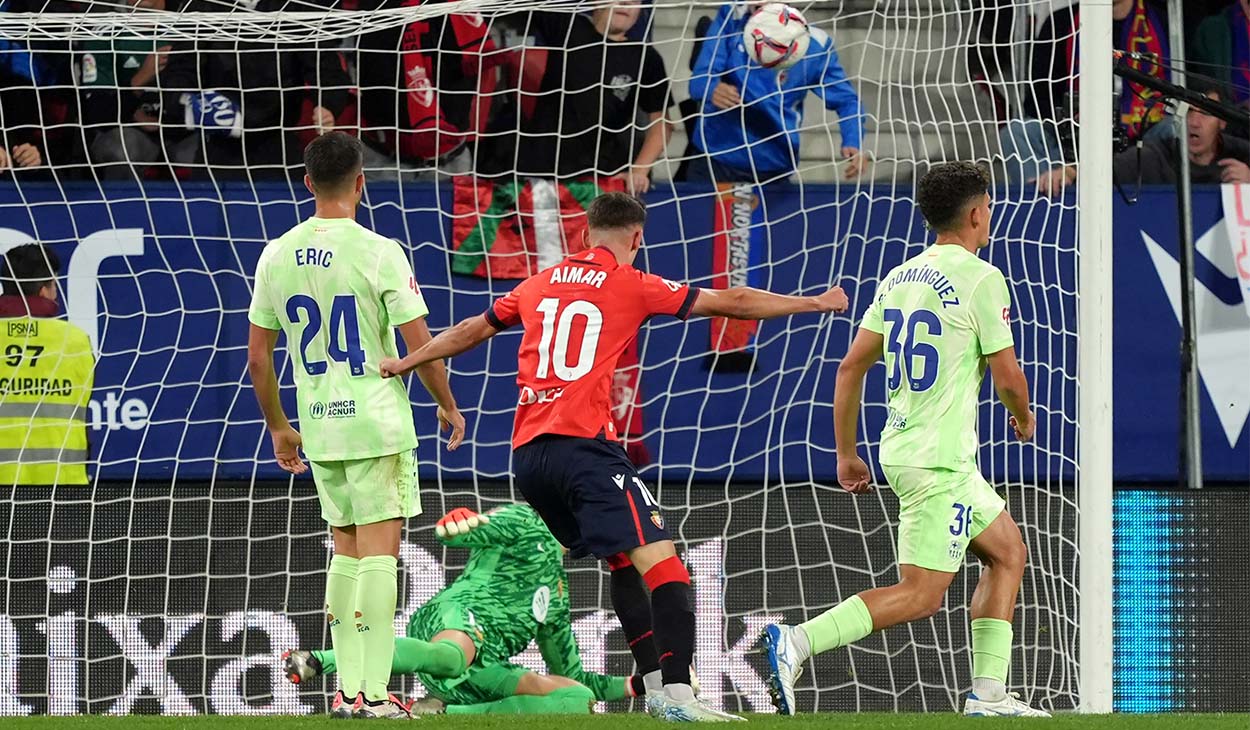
<point>946,190</point>
<point>29,268</point>
<point>615,210</point>
<point>1208,86</point>
<point>332,160</point>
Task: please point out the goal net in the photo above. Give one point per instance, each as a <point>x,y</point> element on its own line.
<point>168,145</point>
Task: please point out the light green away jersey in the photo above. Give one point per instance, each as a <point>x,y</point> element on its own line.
<point>941,313</point>
<point>337,289</point>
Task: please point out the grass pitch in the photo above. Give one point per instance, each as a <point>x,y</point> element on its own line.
<point>883,721</point>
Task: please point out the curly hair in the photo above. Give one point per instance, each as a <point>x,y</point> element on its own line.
<point>946,190</point>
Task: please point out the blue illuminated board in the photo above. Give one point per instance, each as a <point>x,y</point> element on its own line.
<point>1146,548</point>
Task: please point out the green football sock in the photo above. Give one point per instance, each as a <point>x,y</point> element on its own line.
<point>340,607</point>
<point>326,657</point>
<point>443,659</point>
<point>375,612</point>
<point>845,623</point>
<point>438,659</point>
<point>564,701</point>
<point>991,648</point>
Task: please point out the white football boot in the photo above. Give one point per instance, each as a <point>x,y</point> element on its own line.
<point>1008,706</point>
<point>390,708</point>
<point>341,708</point>
<point>785,665</point>
<point>686,707</point>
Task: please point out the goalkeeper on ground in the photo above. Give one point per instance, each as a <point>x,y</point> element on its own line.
<point>460,644</point>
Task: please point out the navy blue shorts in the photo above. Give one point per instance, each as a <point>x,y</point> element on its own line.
<point>589,494</point>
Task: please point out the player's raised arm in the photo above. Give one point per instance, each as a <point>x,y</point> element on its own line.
<point>503,527</point>
<point>865,350</point>
<point>744,302</point>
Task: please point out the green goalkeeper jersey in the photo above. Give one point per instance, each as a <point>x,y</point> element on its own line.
<point>337,290</point>
<point>517,564</point>
<point>941,313</point>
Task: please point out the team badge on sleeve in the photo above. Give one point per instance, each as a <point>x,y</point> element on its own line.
<point>1007,314</point>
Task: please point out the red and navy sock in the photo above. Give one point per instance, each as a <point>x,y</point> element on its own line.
<point>673,618</point>
<point>633,610</point>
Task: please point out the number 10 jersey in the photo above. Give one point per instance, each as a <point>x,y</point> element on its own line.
<point>578,317</point>
<point>941,313</point>
<point>337,290</point>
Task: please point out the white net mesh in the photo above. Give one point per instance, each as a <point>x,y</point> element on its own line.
<point>169,153</point>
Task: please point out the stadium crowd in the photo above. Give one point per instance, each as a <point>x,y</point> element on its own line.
<point>556,94</point>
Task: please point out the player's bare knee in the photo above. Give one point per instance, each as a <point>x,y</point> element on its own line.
<point>460,639</point>
<point>929,605</point>
<point>1017,556</point>
<point>645,557</point>
<point>345,541</point>
<point>925,592</point>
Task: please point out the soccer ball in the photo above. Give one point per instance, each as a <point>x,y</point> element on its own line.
<point>776,36</point>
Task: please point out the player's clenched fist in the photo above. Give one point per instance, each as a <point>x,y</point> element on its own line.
<point>390,367</point>
<point>459,521</point>
<point>834,300</point>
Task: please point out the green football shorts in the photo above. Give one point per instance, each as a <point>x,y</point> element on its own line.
<point>364,491</point>
<point>489,677</point>
<point>939,513</point>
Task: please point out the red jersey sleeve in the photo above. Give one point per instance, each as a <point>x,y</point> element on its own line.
<point>661,296</point>
<point>506,311</point>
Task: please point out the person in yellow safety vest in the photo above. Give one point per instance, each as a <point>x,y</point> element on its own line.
<point>46,375</point>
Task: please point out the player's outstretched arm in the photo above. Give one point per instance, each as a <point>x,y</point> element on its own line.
<point>1013,391</point>
<point>433,376</point>
<point>865,350</point>
<point>462,337</point>
<point>286,440</point>
<point>744,302</point>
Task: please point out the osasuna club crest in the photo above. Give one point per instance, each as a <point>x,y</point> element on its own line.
<point>657,520</point>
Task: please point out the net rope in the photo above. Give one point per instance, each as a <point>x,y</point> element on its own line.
<point>174,579</point>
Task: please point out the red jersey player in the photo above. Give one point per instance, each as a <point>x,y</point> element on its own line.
<point>568,462</point>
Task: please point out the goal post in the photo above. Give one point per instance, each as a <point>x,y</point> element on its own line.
<point>1095,481</point>
<point>175,578</point>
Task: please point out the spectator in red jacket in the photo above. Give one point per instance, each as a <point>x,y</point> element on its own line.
<point>425,92</point>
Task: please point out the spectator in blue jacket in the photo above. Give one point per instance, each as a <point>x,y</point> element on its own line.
<point>751,115</point>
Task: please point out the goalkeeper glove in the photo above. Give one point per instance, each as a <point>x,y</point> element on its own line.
<point>459,521</point>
